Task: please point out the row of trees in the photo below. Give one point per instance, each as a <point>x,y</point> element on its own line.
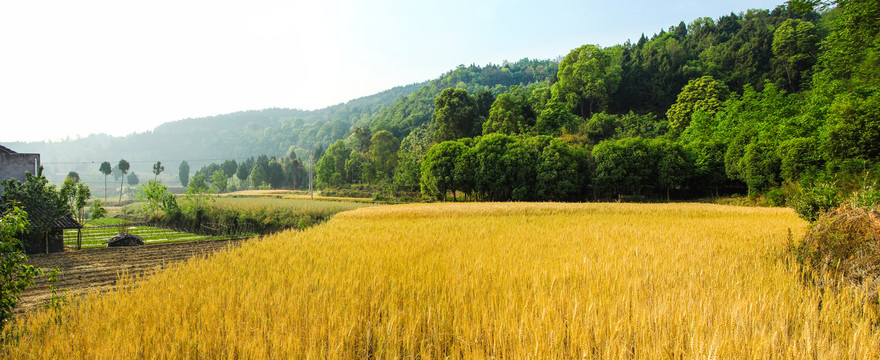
<point>361,158</point>
<point>499,167</point>
<point>288,172</point>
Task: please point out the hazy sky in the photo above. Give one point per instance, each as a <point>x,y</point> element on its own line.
<point>70,68</point>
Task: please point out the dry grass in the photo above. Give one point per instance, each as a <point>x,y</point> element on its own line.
<point>602,281</point>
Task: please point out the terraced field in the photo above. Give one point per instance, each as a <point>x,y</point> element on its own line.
<point>98,268</point>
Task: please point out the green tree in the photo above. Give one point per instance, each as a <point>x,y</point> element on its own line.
<point>83,193</point>
<point>796,46</point>
<point>438,169</point>
<point>588,77</point>
<point>259,175</point>
<point>674,165</point>
<point>558,177</point>
<point>510,114</point>
<point>133,180</point>
<point>218,181</point>
<point>157,169</point>
<point>383,152</point>
<point>73,175</point>
<point>196,198</point>
<point>454,114</point>
<point>41,200</point>
<point>554,117</point>
<point>106,169</point>
<point>490,180</point>
<point>15,273</point>
<point>229,168</point>
<point>705,93</point>
<point>183,173</point>
<point>243,172</point>
<point>156,197</point>
<point>97,209</point>
<point>359,140</point>
<point>275,174</point>
<point>123,167</point>
<point>799,157</point>
<point>625,165</point>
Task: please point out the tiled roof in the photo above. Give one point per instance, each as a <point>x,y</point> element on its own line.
<point>63,222</point>
<point>66,222</point>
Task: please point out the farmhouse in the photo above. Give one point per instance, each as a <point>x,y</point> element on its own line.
<point>14,165</point>
<point>42,214</point>
<point>53,240</point>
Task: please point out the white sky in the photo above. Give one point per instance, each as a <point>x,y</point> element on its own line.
<point>73,68</point>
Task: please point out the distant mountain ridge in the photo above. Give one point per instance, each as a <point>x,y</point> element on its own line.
<point>276,131</point>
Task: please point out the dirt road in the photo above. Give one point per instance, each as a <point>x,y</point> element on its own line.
<point>98,268</point>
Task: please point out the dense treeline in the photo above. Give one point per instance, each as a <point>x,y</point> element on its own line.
<point>778,102</point>
<point>262,172</point>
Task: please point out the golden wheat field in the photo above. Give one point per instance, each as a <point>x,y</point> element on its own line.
<point>472,281</point>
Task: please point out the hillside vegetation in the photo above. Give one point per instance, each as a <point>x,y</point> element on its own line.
<point>481,280</point>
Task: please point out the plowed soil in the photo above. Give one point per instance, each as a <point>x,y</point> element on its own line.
<point>99,268</point>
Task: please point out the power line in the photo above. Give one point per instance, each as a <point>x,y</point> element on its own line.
<point>141,161</point>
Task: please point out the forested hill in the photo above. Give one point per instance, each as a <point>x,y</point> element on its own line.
<point>236,135</point>
<point>276,131</point>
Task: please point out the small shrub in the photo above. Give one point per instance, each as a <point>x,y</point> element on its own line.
<point>815,199</point>
<point>776,197</point>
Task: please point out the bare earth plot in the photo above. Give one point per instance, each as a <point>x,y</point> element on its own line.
<point>98,268</point>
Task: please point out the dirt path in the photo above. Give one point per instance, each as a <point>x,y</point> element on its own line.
<point>98,268</point>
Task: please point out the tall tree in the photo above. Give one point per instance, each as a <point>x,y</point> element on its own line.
<point>229,168</point>
<point>588,76</point>
<point>73,175</point>
<point>383,151</point>
<point>105,169</point>
<point>133,180</point>
<point>183,173</point>
<point>123,167</point>
<point>704,94</point>
<point>157,169</point>
<point>454,114</point>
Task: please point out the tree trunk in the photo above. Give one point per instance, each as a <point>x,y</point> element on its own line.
<point>121,188</point>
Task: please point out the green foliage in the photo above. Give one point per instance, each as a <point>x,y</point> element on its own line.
<point>799,157</point>
<point>156,197</point>
<point>97,210</point>
<point>105,169</point>
<point>813,199</point>
<point>796,46</point>
<point>183,173</point>
<point>383,152</point>
<point>158,169</point>
<point>704,94</point>
<point>554,117</point>
<point>15,273</point>
<point>626,165</point>
<point>196,198</point>
<point>511,113</point>
<point>454,114</point>
<point>558,174</point>
<point>122,168</point>
<point>218,181</point>
<point>588,77</point>
<point>42,201</point>
<point>438,169</point>
<point>82,196</point>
